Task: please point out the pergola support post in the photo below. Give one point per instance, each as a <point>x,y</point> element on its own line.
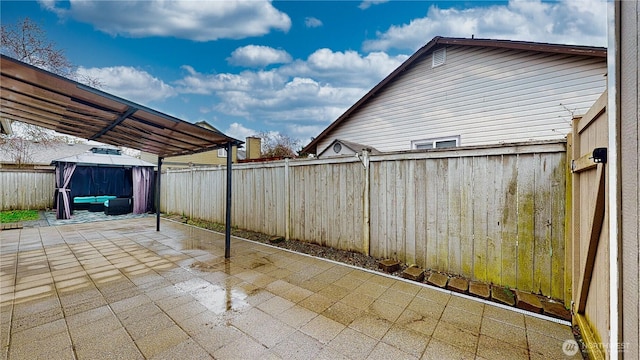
<point>158,177</point>
<point>227,224</point>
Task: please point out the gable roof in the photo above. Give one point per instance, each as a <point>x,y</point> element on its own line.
<point>41,98</point>
<point>353,146</point>
<point>438,42</point>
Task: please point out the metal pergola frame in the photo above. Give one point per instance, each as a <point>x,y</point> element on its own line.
<point>39,97</point>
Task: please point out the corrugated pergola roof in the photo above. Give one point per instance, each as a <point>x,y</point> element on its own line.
<point>39,97</point>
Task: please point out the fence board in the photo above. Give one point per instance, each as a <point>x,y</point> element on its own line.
<point>526,221</point>
<point>495,209</point>
<point>558,236</point>
<point>478,181</point>
<point>26,189</point>
<point>420,229</point>
<point>431,168</point>
<point>509,220</point>
<point>442,215</point>
<point>542,232</point>
<point>454,217</point>
<point>493,214</point>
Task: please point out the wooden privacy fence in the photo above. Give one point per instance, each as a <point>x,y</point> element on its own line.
<point>491,213</point>
<point>22,189</point>
<point>589,247</point>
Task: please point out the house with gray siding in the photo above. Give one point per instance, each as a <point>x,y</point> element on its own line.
<point>461,92</point>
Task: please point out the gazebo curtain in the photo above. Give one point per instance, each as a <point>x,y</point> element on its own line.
<point>63,208</point>
<point>142,178</point>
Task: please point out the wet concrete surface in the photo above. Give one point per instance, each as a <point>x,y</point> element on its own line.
<point>121,290</point>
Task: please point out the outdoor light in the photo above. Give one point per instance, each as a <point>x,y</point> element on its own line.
<point>599,155</point>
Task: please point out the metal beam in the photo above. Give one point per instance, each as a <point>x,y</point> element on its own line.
<point>130,111</point>
<point>158,176</point>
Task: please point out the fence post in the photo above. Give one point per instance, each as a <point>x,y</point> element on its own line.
<point>568,225</point>
<point>365,203</point>
<point>287,203</point>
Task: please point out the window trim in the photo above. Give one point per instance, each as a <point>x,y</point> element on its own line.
<point>434,141</point>
<point>222,153</point>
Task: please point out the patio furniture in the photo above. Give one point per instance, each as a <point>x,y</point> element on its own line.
<point>96,206</point>
<point>117,206</point>
<point>84,202</point>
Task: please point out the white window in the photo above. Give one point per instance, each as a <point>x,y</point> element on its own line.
<point>439,143</point>
<point>222,153</point>
<point>438,57</point>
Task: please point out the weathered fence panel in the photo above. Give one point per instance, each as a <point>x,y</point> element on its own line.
<point>24,189</point>
<point>493,214</point>
<point>327,204</point>
<point>497,217</point>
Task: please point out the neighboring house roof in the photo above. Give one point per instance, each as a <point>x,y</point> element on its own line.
<point>353,146</point>
<point>438,42</point>
<point>90,158</point>
<point>206,125</point>
<point>44,154</point>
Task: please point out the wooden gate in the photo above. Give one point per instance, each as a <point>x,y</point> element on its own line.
<point>590,235</point>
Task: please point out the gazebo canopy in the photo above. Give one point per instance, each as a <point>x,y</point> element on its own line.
<point>41,98</point>
<point>103,158</point>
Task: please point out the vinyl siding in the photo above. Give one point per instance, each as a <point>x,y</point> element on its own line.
<point>483,95</point>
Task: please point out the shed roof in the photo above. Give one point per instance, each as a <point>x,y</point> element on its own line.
<point>440,41</point>
<point>41,98</point>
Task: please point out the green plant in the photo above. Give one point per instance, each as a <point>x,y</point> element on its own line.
<point>18,215</point>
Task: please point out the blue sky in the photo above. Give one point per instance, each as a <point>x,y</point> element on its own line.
<point>278,66</point>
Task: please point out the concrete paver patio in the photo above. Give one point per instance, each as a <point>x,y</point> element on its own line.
<point>121,290</point>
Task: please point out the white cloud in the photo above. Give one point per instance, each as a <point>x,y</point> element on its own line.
<point>312,22</point>
<point>339,68</point>
<point>239,131</point>
<point>130,83</point>
<point>304,133</point>
<point>194,20</point>
<point>312,91</point>
<point>368,3</point>
<point>564,22</point>
<point>258,56</point>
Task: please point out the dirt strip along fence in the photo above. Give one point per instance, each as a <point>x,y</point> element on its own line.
<point>493,213</point>
<point>26,189</point>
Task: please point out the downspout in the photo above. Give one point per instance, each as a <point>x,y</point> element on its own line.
<point>158,177</point>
